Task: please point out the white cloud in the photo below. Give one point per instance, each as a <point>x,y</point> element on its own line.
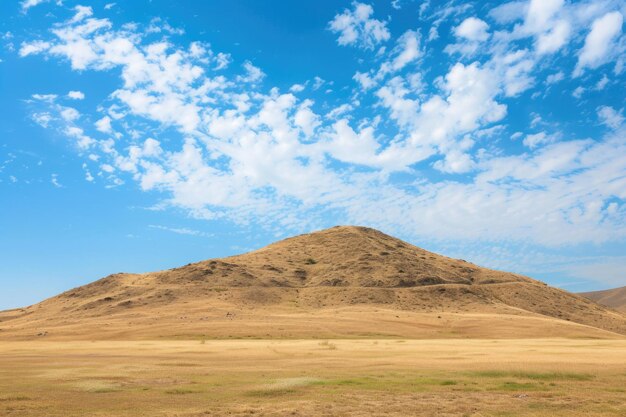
<point>439,123</point>
<point>472,29</point>
<point>536,120</point>
<point>318,83</point>
<point>222,60</point>
<point>509,12</point>
<point>75,47</point>
<point>76,95</point>
<point>537,139</point>
<point>54,180</point>
<point>306,119</point>
<point>471,35</point>
<point>602,83</point>
<point>69,114</point>
<point>339,110</point>
<point>365,80</point>
<point>578,92</point>
<point>407,50</point>
<point>82,140</point>
<point>554,39</point>
<point>104,125</point>
<point>253,74</point>
<point>45,97</point>
<point>88,176</point>
<point>540,13</point>
<point>354,147</point>
<point>356,28</point>
<point>543,21</point>
<point>600,42</point>
<point>455,162</point>
<point>81,13</point>
<point>159,25</point>
<point>35,47</point>
<point>515,69</point>
<point>393,96</point>
<point>180,230</point>
<point>610,117</point>
<point>27,4</point>
<point>42,118</point>
<point>555,78</point>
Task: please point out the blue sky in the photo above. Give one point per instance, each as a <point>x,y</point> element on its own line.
<point>143,135</point>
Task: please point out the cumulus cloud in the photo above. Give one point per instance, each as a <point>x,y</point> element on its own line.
<point>356,27</point>
<point>27,4</point>
<point>555,78</point>
<point>610,117</point>
<point>472,29</point>
<point>602,83</point>
<point>253,73</point>
<point>509,12</point>
<point>407,50</point>
<point>34,47</point>
<point>537,139</point>
<point>76,95</point>
<point>542,20</point>
<point>470,34</point>
<point>540,14</point>
<point>297,88</point>
<point>104,124</point>
<point>600,42</point>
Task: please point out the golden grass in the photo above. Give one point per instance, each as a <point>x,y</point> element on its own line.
<point>471,377</point>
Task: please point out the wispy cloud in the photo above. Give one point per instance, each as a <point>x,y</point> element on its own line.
<point>181,230</point>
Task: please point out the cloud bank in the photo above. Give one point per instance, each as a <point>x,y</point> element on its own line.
<point>403,154</point>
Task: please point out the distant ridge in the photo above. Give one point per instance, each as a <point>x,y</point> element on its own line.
<point>346,281</point>
<point>614,298</point>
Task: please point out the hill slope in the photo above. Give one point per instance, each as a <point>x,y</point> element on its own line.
<point>614,298</point>
<point>341,282</point>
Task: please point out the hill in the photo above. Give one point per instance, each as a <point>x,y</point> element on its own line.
<point>341,282</point>
<point>614,298</point>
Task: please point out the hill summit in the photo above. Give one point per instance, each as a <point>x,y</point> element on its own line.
<point>345,281</point>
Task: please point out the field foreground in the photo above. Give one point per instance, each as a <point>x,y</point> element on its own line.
<point>454,377</point>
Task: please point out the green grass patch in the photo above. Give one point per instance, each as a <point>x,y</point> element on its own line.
<point>448,382</point>
<point>536,376</point>
<point>265,393</point>
<point>518,386</point>
<point>179,391</point>
<point>405,383</point>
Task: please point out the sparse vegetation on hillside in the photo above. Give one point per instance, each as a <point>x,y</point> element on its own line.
<point>350,282</point>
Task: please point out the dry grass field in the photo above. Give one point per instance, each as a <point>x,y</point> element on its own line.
<point>396,377</point>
